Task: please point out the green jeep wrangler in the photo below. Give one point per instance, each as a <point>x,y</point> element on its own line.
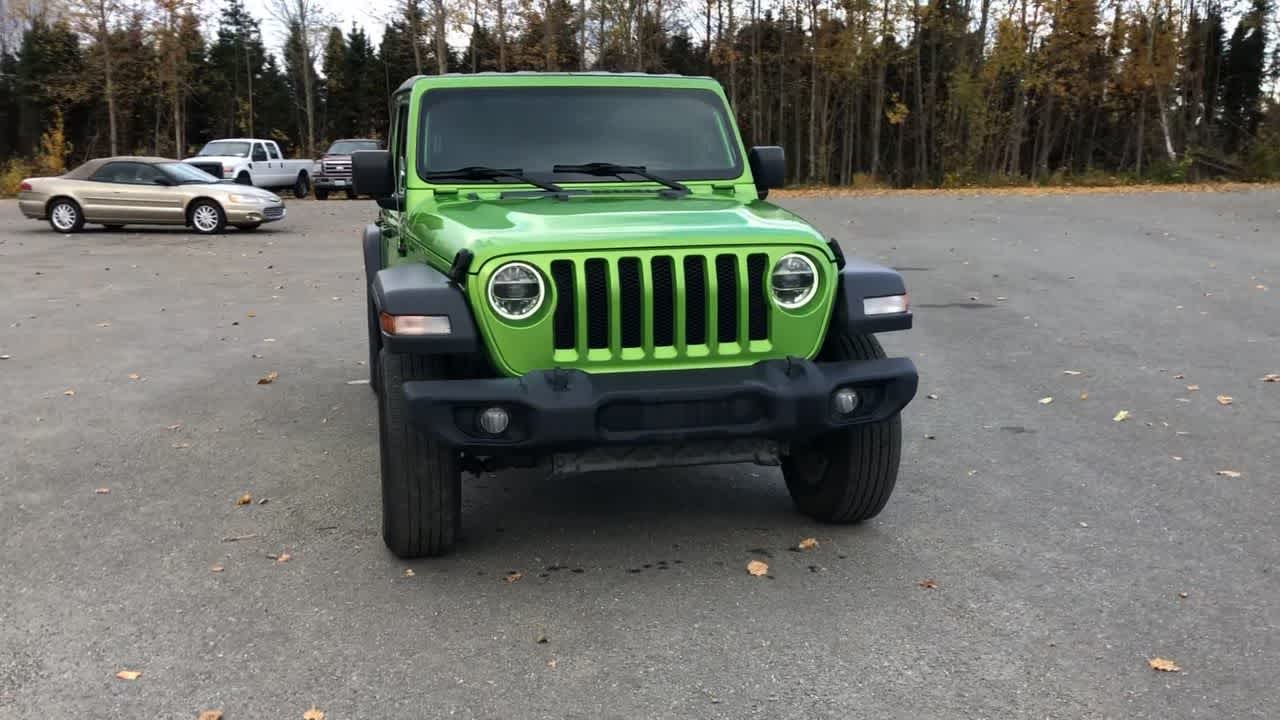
<point>580,272</point>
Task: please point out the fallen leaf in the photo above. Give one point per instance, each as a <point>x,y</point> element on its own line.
<point>808,544</point>
<point>513,576</point>
<point>1121,416</point>
<point>268,378</point>
<point>263,501</point>
<point>1046,400</point>
<point>252,314</point>
<point>1163,665</point>
<point>1193,388</point>
<point>1225,399</point>
<point>1260,287</point>
<point>1176,457</point>
<point>932,396</point>
<point>181,445</point>
<point>1182,595</point>
<point>209,715</point>
<point>173,427</point>
<point>238,538</point>
<point>244,499</point>
<point>268,339</point>
<point>134,376</point>
<point>216,568</point>
<point>314,713</point>
<point>757,568</point>
<point>6,357</point>
<point>283,557</point>
<point>1269,377</point>
<point>928,584</point>
<point>551,663</point>
<point>1228,473</point>
<point>102,491</point>
<point>361,381</point>
<point>129,674</point>
<point>104,324</point>
<point>1179,376</point>
<point>1084,395</point>
<point>408,572</point>
<point>69,393</point>
<point>1072,372</point>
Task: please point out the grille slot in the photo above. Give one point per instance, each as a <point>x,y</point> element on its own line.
<point>757,306</point>
<point>695,300</point>
<point>565,330</point>
<point>597,303</point>
<point>726,298</point>
<point>631,297</point>
<point>664,299</point>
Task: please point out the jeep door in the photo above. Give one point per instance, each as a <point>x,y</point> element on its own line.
<point>392,219</point>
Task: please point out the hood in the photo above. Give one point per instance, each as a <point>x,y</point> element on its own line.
<point>498,228</point>
<point>231,188</point>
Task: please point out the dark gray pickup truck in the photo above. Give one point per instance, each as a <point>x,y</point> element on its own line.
<point>333,169</point>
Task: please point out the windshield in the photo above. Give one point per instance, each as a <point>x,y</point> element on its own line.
<point>184,173</point>
<point>679,133</point>
<point>346,147</point>
<point>226,147</point>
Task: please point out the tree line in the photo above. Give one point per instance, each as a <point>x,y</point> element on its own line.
<point>901,92</point>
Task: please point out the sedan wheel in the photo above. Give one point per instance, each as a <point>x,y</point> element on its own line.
<point>65,217</point>
<point>207,218</point>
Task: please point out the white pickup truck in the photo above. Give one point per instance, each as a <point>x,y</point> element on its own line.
<point>250,161</point>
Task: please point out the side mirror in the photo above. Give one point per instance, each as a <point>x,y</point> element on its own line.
<point>768,167</point>
<point>372,173</point>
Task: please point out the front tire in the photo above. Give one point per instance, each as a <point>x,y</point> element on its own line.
<point>351,195</point>
<point>244,179</point>
<point>846,476</point>
<point>421,480</point>
<point>206,217</point>
<point>301,186</point>
<point>322,194</point>
<point>65,216</point>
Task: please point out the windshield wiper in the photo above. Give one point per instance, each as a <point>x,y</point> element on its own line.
<point>481,172</point>
<point>604,168</point>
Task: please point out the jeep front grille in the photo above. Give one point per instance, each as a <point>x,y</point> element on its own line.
<point>694,305</point>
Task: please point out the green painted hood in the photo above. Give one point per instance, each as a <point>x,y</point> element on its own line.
<point>492,228</point>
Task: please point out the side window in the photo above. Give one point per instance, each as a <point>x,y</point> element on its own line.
<point>259,154</point>
<point>274,150</point>
<point>111,172</point>
<point>401,140</point>
<point>145,174</point>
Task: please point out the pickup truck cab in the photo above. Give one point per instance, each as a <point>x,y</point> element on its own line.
<point>581,272</point>
<point>252,161</point>
<point>333,170</point>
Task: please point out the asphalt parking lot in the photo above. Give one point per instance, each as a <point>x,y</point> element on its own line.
<point>1034,557</point>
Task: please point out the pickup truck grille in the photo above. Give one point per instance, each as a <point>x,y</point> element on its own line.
<point>336,168</point>
<point>630,303</point>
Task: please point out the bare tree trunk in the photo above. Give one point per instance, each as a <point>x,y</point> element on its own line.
<point>782,79</point>
<point>707,48</point>
<point>813,91</point>
<point>582,35</point>
<point>442,40</point>
<point>755,72</point>
<point>733,61</point>
<point>502,35</point>
<point>475,23</point>
<point>104,40</point>
<point>248,71</point>
<point>877,95</point>
<point>641,9</point>
<point>922,111</point>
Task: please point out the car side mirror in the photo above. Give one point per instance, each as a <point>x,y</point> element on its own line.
<point>372,174</point>
<point>768,167</point>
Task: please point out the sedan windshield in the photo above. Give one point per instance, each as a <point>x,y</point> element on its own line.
<point>227,148</point>
<point>683,134</point>
<point>346,147</point>
<point>183,173</point>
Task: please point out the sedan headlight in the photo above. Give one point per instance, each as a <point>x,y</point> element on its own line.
<point>246,199</point>
<point>516,291</point>
<point>794,281</point>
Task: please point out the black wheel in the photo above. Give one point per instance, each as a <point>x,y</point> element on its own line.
<point>846,476</point>
<point>249,226</point>
<point>322,193</point>
<point>244,179</point>
<point>114,227</point>
<point>351,195</point>
<point>206,217</point>
<point>65,216</point>
<point>375,344</point>
<point>421,481</point>
<point>301,186</point>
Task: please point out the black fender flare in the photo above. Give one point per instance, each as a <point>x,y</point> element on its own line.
<point>858,281</point>
<point>371,244</point>
<point>419,289</point>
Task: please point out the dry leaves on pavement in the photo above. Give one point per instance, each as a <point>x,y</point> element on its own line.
<point>1228,473</point>
<point>129,674</point>
<point>1271,377</point>
<point>1084,395</point>
<point>209,715</point>
<point>1121,416</point>
<point>808,544</point>
<point>1225,399</point>
<point>408,572</point>
<point>1193,388</point>
<point>102,491</point>
<point>1163,665</point>
<point>134,376</point>
<point>757,568</point>
<point>1072,372</point>
<point>181,445</point>
<point>69,392</point>
<point>268,378</point>
<point>1046,400</point>
<point>244,499</point>
<point>928,584</point>
<point>216,568</point>
<point>314,713</point>
<point>513,576</point>
<point>283,557</point>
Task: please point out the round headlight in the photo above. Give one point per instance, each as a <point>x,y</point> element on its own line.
<point>515,291</point>
<point>794,281</point>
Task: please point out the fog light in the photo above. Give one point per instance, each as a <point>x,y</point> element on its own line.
<point>845,401</point>
<point>494,420</point>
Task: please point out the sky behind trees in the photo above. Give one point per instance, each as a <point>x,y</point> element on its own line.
<point>902,92</point>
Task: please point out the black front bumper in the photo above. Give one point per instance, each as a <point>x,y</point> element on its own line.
<point>557,410</point>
